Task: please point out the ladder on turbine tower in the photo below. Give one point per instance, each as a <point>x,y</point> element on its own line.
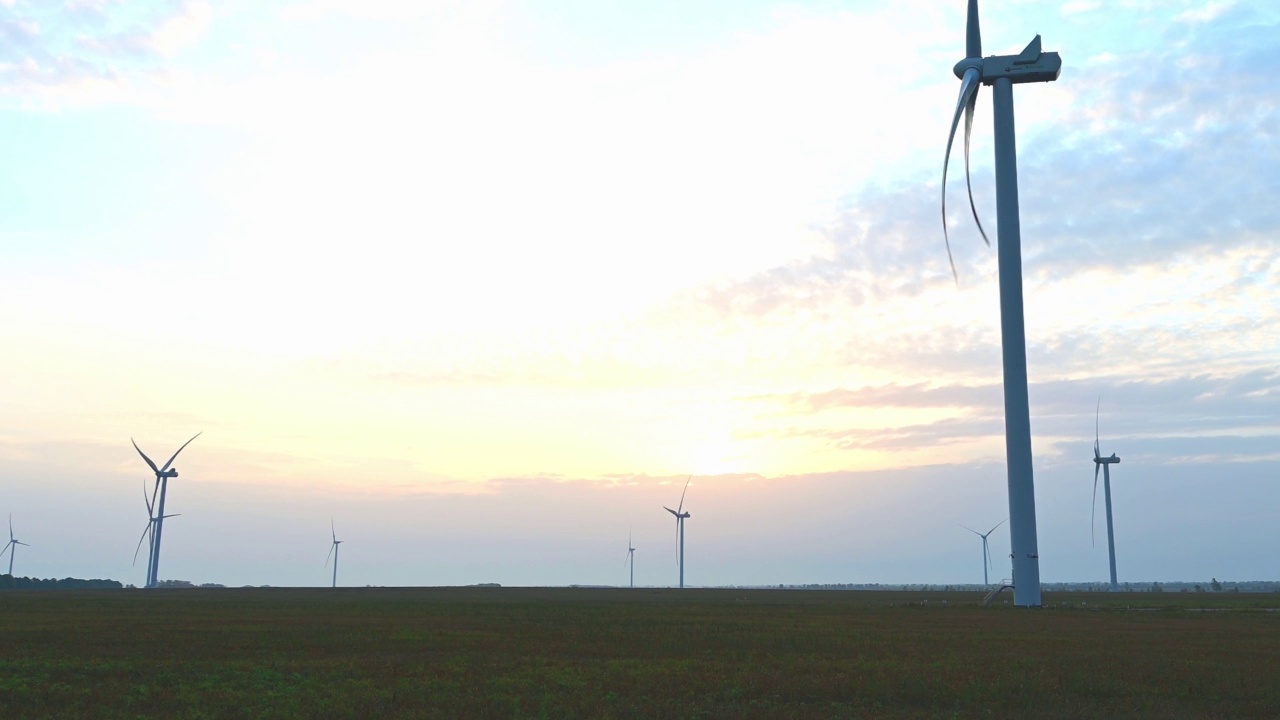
<point>1005,584</point>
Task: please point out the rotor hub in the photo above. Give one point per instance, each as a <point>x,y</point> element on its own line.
<point>965,64</point>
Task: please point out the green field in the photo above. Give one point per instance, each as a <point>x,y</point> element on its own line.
<point>567,653</point>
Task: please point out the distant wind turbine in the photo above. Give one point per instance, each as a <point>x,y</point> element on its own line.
<point>156,508</point>
<point>986,551</point>
<point>1001,72</point>
<point>12,546</point>
<point>631,559</point>
<point>148,531</point>
<point>1104,464</point>
<point>333,552</point>
<point>680,518</point>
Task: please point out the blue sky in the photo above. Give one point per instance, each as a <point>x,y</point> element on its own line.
<point>486,281</point>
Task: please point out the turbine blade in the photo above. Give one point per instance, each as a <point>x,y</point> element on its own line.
<point>154,469</point>
<point>175,455</point>
<point>19,542</point>
<point>6,548</point>
<point>686,489</point>
<point>973,34</point>
<point>993,528</point>
<point>150,500</point>
<point>1094,512</point>
<point>988,549</point>
<point>968,131</point>
<point>673,512</point>
<point>331,549</point>
<point>1097,434</point>
<point>333,532</point>
<point>145,532</point>
<point>968,88</point>
<point>975,532</point>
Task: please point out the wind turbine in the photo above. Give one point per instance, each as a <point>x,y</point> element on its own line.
<point>1104,464</point>
<point>680,518</point>
<point>1001,72</point>
<point>333,552</point>
<point>986,552</point>
<point>12,546</point>
<point>631,559</point>
<point>156,510</point>
<point>148,531</point>
<point>151,523</point>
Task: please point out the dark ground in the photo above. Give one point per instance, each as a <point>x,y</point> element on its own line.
<point>601,653</point>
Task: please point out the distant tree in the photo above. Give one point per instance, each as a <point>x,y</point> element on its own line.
<point>1199,587</point>
<point>1217,586</point>
<point>176,584</point>
<point>1155,587</point>
<point>8,582</point>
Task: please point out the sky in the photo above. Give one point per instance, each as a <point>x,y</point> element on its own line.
<point>484,283</point>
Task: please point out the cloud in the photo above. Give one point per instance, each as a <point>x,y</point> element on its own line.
<point>184,30</point>
<point>1200,418</point>
<point>91,51</point>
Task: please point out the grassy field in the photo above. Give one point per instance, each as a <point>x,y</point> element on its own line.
<point>568,653</point>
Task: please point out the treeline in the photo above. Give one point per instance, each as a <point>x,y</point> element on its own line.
<point>1213,585</point>
<point>9,582</point>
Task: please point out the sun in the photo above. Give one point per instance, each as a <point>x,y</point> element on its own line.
<point>720,456</point>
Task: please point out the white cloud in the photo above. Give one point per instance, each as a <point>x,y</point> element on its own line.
<point>184,30</point>
<point>385,10</point>
<point>1076,7</point>
<point>1207,13</point>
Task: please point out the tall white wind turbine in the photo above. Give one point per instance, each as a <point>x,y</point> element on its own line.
<point>333,552</point>
<point>986,551</point>
<point>680,518</point>
<point>156,507</point>
<point>1002,72</point>
<point>12,546</point>
<point>1104,464</point>
<point>631,559</point>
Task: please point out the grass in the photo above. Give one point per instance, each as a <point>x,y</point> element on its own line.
<point>567,653</point>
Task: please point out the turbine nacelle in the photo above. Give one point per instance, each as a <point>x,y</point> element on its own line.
<point>1030,65</point>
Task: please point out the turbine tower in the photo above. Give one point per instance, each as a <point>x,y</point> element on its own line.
<point>156,508</point>
<point>631,559</point>
<point>680,518</point>
<point>11,547</point>
<point>333,552</point>
<point>148,531</point>
<point>1002,72</point>
<point>1104,464</point>
<point>986,552</point>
